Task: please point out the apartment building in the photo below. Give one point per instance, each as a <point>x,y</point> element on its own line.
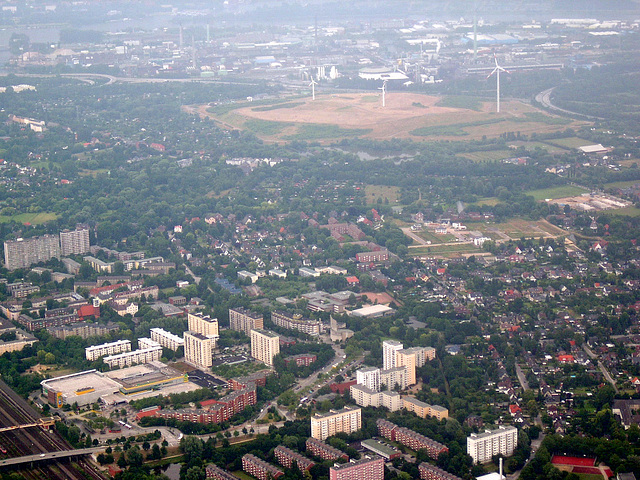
<point>365,397</point>
<point>431,472</point>
<point>407,358</point>
<point>394,377</point>
<point>502,441</point>
<point>286,457</point>
<point>367,468</point>
<point>204,325</point>
<point>166,339</point>
<point>423,409</point>
<point>409,438</point>
<point>23,252</point>
<point>198,349</point>
<point>94,352</point>
<point>295,321</point>
<point>264,345</point>
<point>146,342</point>
<point>324,451</point>
<point>74,242</point>
<point>217,411</point>
<point>259,468</point>
<point>369,377</point>
<point>373,257</point>
<point>217,473</point>
<point>243,320</point>
<point>389,349</point>
<point>82,329</point>
<point>347,420</point>
<point>127,359</point>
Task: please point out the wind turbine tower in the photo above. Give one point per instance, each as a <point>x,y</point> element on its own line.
<point>384,92</point>
<point>497,71</point>
<point>313,88</point>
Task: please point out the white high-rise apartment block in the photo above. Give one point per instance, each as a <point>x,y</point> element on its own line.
<point>369,377</point>
<point>204,325</point>
<point>127,359</point>
<point>483,446</point>
<point>145,342</point>
<point>389,349</point>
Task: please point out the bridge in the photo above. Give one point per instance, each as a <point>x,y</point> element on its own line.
<point>45,422</point>
<point>39,457</point>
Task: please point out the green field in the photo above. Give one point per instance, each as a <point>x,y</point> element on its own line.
<point>488,156</point>
<point>489,201</point>
<point>627,184</point>
<point>32,218</point>
<point>443,249</point>
<point>569,142</point>
<point>454,129</point>
<point>243,476</point>
<point>265,127</point>
<point>556,192</point>
<point>459,101</point>
<point>317,131</point>
<point>433,238</point>
<point>629,212</point>
<point>277,106</point>
<point>590,476</point>
<point>374,192</point>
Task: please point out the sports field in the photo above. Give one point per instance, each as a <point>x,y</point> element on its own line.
<point>406,115</point>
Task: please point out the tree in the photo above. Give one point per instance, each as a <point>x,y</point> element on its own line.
<point>192,448</point>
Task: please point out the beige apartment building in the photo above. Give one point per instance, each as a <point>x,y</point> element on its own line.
<point>198,349</point>
<point>264,345</point>
<point>347,420</point>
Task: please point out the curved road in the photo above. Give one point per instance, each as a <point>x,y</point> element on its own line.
<point>544,99</point>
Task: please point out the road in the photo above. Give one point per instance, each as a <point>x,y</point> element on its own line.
<point>195,279</point>
<point>544,99</point>
<point>521,378</point>
<point>601,366</point>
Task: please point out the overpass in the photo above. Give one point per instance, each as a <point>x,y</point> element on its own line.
<point>39,457</point>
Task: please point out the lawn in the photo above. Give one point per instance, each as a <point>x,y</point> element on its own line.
<point>556,192</point>
<point>374,192</point>
<point>265,127</point>
<point>460,101</point>
<point>626,184</point>
<point>317,131</point>
<point>488,156</point>
<point>433,238</point>
<point>590,476</point>
<point>32,218</point>
<point>243,476</point>
<point>440,249</point>
<point>628,211</point>
<point>489,201</point>
<point>569,142</point>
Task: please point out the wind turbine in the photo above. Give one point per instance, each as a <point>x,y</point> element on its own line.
<point>384,91</point>
<point>497,71</point>
<point>313,88</point>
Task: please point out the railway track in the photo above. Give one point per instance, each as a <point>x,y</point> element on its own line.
<point>33,440</point>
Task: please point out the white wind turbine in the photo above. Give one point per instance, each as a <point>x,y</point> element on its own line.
<point>497,71</point>
<point>313,88</point>
<point>384,92</point>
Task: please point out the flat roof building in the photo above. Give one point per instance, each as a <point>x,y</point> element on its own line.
<point>264,345</point>
<point>94,352</point>
<point>243,320</point>
<point>166,339</point>
<point>198,349</point>
<point>483,446</point>
<point>347,420</point>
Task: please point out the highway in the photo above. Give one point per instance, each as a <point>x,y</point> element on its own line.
<point>544,99</point>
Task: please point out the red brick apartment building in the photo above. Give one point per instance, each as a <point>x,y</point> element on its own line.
<point>409,438</point>
<point>431,472</point>
<point>259,468</point>
<point>286,457</point>
<point>221,411</point>
<point>324,451</point>
<point>364,469</point>
<point>217,473</point>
